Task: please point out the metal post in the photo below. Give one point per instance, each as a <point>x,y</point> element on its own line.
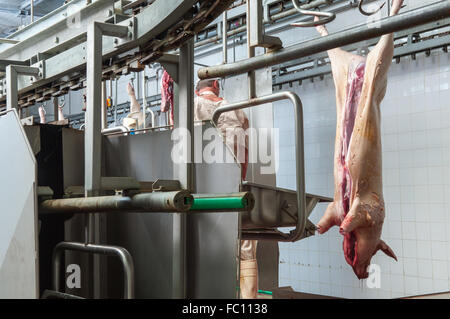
<point>104,108</point>
<point>12,94</point>
<point>93,136</point>
<point>93,111</point>
<point>250,53</point>
<point>115,102</point>
<point>225,37</point>
<point>32,11</point>
<point>184,118</point>
<point>144,99</point>
<point>55,109</point>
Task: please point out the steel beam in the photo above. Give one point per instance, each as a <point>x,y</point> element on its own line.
<point>94,101</point>
<point>184,172</point>
<point>363,32</point>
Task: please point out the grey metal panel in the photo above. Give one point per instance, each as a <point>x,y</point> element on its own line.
<point>73,157</point>
<point>148,237</point>
<point>18,216</point>
<point>213,239</point>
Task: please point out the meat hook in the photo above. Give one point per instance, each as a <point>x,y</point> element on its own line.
<point>326,17</point>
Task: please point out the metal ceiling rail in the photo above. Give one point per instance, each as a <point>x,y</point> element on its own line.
<point>363,32</point>
<point>157,28</point>
<point>309,67</point>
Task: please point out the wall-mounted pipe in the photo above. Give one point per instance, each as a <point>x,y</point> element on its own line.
<point>363,32</point>
<point>297,233</point>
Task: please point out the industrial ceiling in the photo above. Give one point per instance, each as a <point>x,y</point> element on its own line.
<point>15,13</point>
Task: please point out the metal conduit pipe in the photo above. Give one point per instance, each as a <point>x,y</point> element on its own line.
<point>179,201</point>
<point>120,252</point>
<point>297,233</point>
<point>225,37</point>
<point>428,13</point>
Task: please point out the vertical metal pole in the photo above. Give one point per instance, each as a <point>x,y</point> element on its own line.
<point>32,11</point>
<point>12,94</point>
<point>92,137</point>
<point>144,99</point>
<point>251,54</point>
<point>104,109</point>
<point>55,109</point>
<point>225,37</point>
<point>115,102</point>
<point>12,97</point>
<point>184,118</point>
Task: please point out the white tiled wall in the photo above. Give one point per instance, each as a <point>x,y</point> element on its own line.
<point>416,176</point>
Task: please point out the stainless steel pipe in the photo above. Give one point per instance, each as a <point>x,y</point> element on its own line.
<point>178,201</point>
<point>120,252</point>
<point>428,13</point>
<point>302,216</point>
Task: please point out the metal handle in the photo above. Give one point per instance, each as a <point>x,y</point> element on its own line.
<point>326,16</point>
<point>297,233</point>
<point>120,252</point>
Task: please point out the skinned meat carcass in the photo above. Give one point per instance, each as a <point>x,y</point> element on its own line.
<point>358,206</point>
<point>167,101</point>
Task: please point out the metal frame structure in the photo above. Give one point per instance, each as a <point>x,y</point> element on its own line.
<point>94,100</point>
<point>297,233</point>
<point>12,73</point>
<point>62,40</point>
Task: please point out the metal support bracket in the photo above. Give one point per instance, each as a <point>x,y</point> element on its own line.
<point>131,33</point>
<point>255,26</point>
<point>12,74</point>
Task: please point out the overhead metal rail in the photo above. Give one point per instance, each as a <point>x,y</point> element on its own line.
<point>161,26</point>
<point>317,65</point>
<point>426,14</point>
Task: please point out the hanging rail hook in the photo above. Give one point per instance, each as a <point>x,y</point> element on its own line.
<point>368,13</point>
<point>376,11</point>
<point>326,16</point>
